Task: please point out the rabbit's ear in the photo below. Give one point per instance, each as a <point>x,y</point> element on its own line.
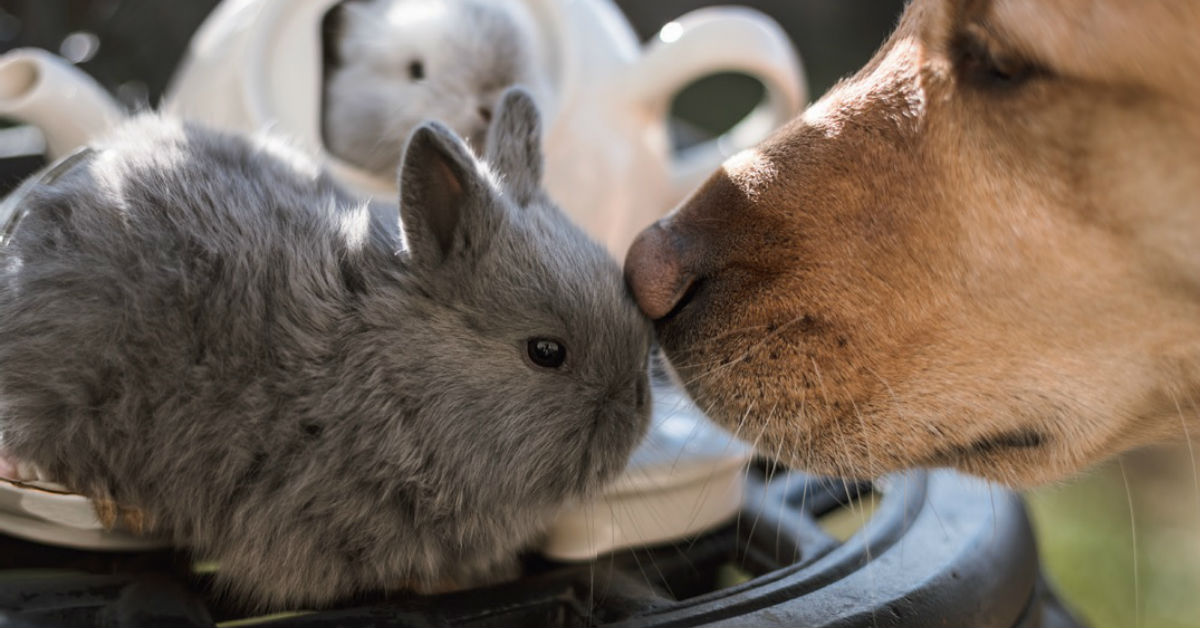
<point>514,145</point>
<point>439,184</point>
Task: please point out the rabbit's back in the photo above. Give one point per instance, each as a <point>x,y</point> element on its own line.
<point>165,288</point>
<point>203,327</point>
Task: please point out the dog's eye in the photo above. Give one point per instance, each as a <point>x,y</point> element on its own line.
<point>416,70</point>
<point>980,66</point>
<point>546,352</point>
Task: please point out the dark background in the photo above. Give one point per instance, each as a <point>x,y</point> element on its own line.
<point>834,38</point>
<point>140,41</point>
<point>133,46</point>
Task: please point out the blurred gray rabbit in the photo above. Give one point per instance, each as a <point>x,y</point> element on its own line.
<point>392,64</point>
<point>206,329</point>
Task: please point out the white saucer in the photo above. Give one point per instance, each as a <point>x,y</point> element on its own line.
<point>686,477</point>
<point>45,512</point>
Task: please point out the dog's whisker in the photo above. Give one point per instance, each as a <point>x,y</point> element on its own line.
<point>1137,592</point>
<point>865,437</point>
<point>758,515</point>
<point>778,330</point>
<point>786,491</point>
<point>844,461</point>
<point>772,333</point>
<point>698,377</point>
<point>1187,438</point>
<point>739,331</point>
<point>680,364</point>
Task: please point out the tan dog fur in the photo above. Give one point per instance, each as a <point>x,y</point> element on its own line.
<point>933,268</point>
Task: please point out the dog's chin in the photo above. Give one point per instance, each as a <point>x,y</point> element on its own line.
<point>832,424</point>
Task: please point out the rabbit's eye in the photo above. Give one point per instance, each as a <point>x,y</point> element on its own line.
<point>416,70</point>
<point>546,353</point>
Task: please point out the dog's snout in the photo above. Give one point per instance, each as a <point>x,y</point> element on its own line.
<point>658,270</point>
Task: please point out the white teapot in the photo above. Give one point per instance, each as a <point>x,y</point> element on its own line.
<point>258,63</point>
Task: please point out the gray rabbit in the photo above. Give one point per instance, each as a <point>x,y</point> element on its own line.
<point>206,329</point>
<point>394,63</point>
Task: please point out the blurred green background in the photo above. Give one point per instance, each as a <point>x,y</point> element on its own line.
<point>1121,544</point>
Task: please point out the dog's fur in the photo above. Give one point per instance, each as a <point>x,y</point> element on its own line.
<point>981,251</point>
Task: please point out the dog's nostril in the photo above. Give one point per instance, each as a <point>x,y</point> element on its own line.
<point>693,286</point>
<point>657,273</point>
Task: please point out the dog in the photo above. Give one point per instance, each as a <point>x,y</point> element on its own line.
<point>981,251</point>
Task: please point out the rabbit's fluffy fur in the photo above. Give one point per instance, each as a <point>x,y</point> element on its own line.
<point>207,329</point>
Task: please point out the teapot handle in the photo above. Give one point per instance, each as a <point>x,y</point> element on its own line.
<point>45,90</point>
<point>721,39</point>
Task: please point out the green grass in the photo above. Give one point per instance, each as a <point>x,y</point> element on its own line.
<point>1086,532</point>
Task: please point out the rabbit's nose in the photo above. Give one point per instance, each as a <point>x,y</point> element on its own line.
<point>661,268</point>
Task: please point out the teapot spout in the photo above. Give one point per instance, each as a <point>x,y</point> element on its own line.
<point>42,89</point>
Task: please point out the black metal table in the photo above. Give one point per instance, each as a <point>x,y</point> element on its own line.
<point>938,549</point>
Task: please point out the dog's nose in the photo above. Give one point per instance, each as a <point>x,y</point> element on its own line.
<point>658,271</point>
